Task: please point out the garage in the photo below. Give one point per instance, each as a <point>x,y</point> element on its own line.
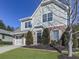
<point>19,40</point>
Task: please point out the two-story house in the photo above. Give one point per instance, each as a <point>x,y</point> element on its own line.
<point>50,14</point>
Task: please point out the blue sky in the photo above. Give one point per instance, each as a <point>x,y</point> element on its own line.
<point>12,10</point>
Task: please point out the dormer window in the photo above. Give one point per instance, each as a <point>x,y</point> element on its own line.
<point>47,17</point>
<point>28,25</point>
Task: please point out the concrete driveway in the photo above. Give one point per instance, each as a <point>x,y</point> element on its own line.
<point>8,48</point>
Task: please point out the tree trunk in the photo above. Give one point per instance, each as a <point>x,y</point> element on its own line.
<point>70,43</point>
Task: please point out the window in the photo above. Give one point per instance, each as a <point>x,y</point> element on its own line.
<point>39,35</point>
<point>28,25</point>
<point>47,17</point>
<point>44,17</point>
<point>56,34</point>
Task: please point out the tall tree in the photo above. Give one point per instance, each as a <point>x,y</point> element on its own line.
<point>2,25</point>
<point>9,28</point>
<point>72,14</point>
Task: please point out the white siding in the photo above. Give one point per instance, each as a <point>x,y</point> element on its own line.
<point>23,25</point>
<point>58,13</point>
<point>7,38</point>
<point>59,19</point>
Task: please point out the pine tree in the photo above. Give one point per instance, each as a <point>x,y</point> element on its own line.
<point>46,36</point>
<point>29,38</point>
<point>2,25</point>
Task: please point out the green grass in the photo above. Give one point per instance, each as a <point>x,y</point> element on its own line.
<point>78,54</point>
<point>22,53</point>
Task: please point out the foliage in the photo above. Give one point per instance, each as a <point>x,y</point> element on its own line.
<point>76,27</point>
<point>75,42</point>
<point>46,36</point>
<point>64,39</point>
<point>3,26</point>
<point>53,42</point>
<point>5,43</point>
<point>9,28</point>
<point>29,38</point>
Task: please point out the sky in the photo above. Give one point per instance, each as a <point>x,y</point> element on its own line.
<point>12,10</point>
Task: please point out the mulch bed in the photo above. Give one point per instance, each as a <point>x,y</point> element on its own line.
<point>46,47</point>
<point>66,57</point>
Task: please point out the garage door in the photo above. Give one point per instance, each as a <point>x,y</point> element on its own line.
<point>18,42</point>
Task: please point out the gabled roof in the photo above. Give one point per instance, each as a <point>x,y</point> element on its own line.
<point>56,2</point>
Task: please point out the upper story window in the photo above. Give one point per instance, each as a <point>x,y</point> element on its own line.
<point>47,17</point>
<point>44,17</point>
<point>28,25</point>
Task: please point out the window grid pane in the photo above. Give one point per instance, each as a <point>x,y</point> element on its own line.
<point>49,16</point>
<point>28,25</point>
<point>44,17</point>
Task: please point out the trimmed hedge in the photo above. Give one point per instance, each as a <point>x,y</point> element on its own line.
<point>46,36</point>
<point>29,38</point>
<point>5,43</point>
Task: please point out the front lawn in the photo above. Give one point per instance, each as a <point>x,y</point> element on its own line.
<point>22,53</point>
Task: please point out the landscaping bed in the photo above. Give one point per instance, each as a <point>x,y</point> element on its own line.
<point>47,47</point>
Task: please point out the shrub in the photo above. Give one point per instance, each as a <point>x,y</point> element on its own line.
<point>53,42</point>
<point>46,36</point>
<point>5,43</point>
<point>0,41</point>
<point>64,39</point>
<point>29,38</point>
<point>75,42</point>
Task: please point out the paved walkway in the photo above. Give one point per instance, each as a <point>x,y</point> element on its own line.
<point>8,48</point>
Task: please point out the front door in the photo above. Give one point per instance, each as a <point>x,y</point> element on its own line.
<point>39,35</point>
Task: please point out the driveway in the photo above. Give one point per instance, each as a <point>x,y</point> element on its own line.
<point>8,48</point>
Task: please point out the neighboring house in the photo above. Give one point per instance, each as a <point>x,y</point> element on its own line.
<point>50,14</point>
<point>6,36</point>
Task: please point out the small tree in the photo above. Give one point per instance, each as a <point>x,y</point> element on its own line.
<point>29,38</point>
<point>46,36</point>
